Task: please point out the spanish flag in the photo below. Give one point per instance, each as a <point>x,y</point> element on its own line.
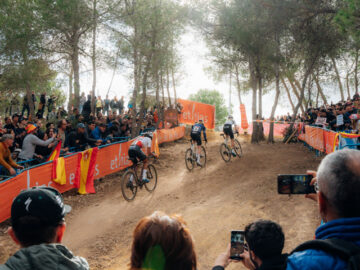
<point>84,178</point>
<point>58,171</point>
<point>56,152</point>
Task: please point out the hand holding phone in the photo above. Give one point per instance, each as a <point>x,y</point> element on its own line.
<point>295,184</point>
<point>237,245</point>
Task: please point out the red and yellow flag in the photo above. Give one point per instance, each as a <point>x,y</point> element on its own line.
<point>56,152</point>
<point>58,171</point>
<point>84,178</point>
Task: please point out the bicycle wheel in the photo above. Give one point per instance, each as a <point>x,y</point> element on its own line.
<point>225,152</point>
<point>152,177</point>
<point>129,186</point>
<point>203,156</point>
<point>238,149</point>
<point>189,161</point>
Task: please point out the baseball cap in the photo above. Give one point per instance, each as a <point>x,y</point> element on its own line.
<point>45,203</point>
<point>80,125</point>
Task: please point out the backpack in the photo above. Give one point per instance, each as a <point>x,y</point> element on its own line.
<point>345,250</point>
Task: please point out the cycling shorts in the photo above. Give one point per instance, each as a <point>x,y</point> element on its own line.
<point>196,137</point>
<point>228,131</point>
<point>135,154</point>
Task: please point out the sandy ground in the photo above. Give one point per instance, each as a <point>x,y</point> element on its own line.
<point>213,201</point>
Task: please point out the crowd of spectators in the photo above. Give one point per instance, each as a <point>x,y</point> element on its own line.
<point>164,242</point>
<point>31,141</point>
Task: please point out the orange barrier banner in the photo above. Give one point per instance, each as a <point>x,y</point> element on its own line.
<point>278,129</point>
<point>110,159</point>
<point>320,139</point>
<point>193,111</point>
<point>244,121</point>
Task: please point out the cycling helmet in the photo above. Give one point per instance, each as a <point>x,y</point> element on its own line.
<point>148,134</point>
<point>230,117</point>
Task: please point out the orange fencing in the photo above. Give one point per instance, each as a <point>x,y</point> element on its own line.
<point>110,159</point>
<point>320,139</point>
<point>193,111</point>
<point>278,129</point>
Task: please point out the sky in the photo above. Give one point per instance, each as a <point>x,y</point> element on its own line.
<point>192,78</point>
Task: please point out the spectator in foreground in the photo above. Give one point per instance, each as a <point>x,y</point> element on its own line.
<point>338,197</point>
<point>162,242</point>
<point>38,226</point>
<point>265,242</point>
<point>6,161</point>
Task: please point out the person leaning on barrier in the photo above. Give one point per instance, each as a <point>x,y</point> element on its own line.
<point>338,197</point>
<point>265,242</point>
<point>162,242</point>
<point>6,161</point>
<point>38,226</point>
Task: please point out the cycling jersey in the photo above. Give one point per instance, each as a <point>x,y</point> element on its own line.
<point>227,129</point>
<point>142,142</point>
<point>196,132</point>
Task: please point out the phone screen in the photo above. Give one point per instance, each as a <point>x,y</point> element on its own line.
<point>295,184</point>
<point>237,244</point>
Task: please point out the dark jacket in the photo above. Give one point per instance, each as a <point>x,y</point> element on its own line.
<point>44,257</point>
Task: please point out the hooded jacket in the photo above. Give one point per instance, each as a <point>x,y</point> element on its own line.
<point>45,256</point>
<point>344,228</point>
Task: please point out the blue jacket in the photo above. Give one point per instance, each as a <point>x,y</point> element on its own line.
<point>198,128</point>
<point>96,134</point>
<point>344,228</point>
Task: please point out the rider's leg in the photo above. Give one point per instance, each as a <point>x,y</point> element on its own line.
<point>145,166</point>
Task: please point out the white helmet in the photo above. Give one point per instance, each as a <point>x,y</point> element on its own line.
<point>148,134</point>
<point>230,117</point>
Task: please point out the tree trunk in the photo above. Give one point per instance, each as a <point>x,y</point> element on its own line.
<point>347,86</point>
<point>254,136</point>
<point>356,71</point>
<point>157,81</point>
<point>143,101</point>
<point>277,95</point>
<point>136,88</point>
<point>168,85</point>
<point>339,79</point>
<point>174,84</point>
<point>71,75</point>
<point>93,58</point>
<point>238,83</point>
<point>75,64</point>
<point>297,84</point>
<point>163,98</point>
<point>320,89</point>
<point>114,70</point>
<point>308,103</point>
<point>260,124</point>
<point>288,94</point>
<point>296,94</point>
<point>317,99</point>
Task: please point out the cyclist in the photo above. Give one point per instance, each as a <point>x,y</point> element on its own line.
<point>136,152</point>
<point>228,131</point>
<point>196,130</point>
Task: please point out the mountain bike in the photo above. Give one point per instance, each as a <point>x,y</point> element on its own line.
<point>132,180</point>
<point>225,149</point>
<point>190,157</point>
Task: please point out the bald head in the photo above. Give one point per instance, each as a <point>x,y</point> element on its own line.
<point>339,181</point>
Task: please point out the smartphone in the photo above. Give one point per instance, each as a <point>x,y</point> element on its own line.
<point>237,244</point>
<point>295,184</point>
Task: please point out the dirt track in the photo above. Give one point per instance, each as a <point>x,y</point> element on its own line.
<point>213,201</point>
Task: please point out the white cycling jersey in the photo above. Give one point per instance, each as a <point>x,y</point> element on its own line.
<point>230,122</point>
<point>143,142</point>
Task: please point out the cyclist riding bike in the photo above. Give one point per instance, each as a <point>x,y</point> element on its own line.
<point>136,152</point>
<point>228,131</point>
<point>196,130</point>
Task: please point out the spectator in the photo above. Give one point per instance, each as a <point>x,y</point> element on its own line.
<point>82,102</point>
<point>38,226</point>
<point>6,161</point>
<point>51,117</point>
<point>162,242</point>
<point>62,126</point>
<point>79,139</point>
<point>25,106</point>
<point>99,104</point>
<point>99,133</point>
<point>44,151</point>
<point>338,181</point>
<point>114,104</point>
<point>41,107</point>
<point>86,111</point>
<point>51,103</point>
<point>30,142</point>
<point>121,105</point>
<point>106,105</point>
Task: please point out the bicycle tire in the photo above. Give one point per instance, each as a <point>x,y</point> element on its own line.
<point>203,157</point>
<point>152,177</point>
<point>189,162</point>
<point>238,149</point>
<point>225,152</point>
<point>128,193</point>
